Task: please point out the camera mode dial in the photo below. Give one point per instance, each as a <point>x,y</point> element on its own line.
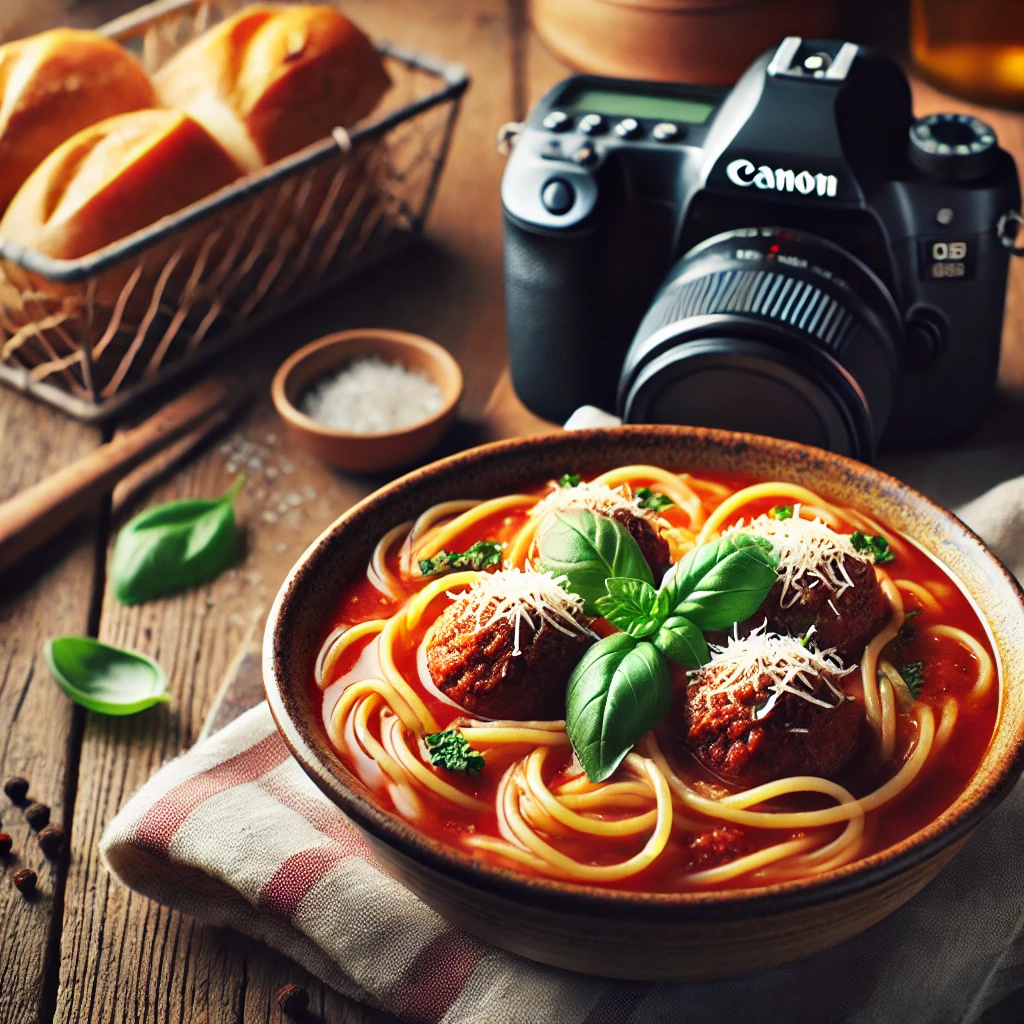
<point>953,147</point>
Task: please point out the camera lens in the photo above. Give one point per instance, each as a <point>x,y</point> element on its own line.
<point>769,331</point>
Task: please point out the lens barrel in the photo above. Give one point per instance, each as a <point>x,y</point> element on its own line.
<point>770,331</point>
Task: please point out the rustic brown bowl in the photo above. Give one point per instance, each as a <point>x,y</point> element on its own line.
<point>365,453</point>
<point>623,934</point>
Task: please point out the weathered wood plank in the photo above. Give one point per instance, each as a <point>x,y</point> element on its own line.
<point>40,730</point>
<point>123,958</point>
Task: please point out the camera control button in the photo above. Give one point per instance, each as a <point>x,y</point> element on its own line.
<point>557,121</point>
<point>628,128</point>
<point>592,124</point>
<point>558,196</point>
<point>585,156</point>
<point>665,131</point>
<point>952,147</point>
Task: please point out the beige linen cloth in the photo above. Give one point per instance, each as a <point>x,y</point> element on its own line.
<point>294,873</point>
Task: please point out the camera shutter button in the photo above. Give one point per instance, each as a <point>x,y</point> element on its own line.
<point>558,196</point>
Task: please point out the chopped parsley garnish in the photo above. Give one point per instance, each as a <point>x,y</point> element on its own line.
<point>913,676</point>
<point>481,555</point>
<point>655,502</point>
<point>781,512</point>
<point>907,631</point>
<point>451,750</point>
<point>569,480</point>
<point>872,544</point>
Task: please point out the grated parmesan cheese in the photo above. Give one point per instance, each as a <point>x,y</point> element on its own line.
<point>370,396</point>
<point>596,498</point>
<point>517,595</point>
<point>810,554</point>
<point>789,665</point>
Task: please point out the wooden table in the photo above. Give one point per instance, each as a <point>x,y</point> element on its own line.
<point>87,950</point>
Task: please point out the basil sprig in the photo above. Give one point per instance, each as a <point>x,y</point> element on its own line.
<point>589,549</point>
<point>105,679</point>
<point>622,687</point>
<point>174,546</point>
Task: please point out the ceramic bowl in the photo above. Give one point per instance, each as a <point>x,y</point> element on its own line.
<point>365,453</point>
<point>626,934</point>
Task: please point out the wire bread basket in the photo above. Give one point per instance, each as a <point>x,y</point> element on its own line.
<point>90,335</point>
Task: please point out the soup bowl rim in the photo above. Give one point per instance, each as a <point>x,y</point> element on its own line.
<point>311,749</point>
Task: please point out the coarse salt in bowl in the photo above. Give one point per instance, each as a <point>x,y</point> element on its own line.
<point>371,396</point>
<point>368,400</point>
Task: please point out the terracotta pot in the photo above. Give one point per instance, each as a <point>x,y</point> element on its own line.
<point>620,933</point>
<point>699,41</point>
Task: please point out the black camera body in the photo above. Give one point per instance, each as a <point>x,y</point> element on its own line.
<point>794,256</point>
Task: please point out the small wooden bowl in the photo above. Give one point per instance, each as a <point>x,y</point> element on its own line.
<point>366,453</point>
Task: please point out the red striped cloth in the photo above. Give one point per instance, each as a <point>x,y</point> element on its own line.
<point>235,834</point>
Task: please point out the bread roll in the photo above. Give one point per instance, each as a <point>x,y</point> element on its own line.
<point>275,78</point>
<point>114,178</point>
<point>53,85</point>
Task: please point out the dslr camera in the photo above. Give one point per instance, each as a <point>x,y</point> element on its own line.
<point>795,256</point>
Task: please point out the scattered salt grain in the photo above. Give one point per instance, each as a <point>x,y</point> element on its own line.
<point>370,396</point>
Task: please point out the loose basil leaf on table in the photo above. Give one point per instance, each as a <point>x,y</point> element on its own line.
<point>619,691</point>
<point>722,582</point>
<point>175,546</point>
<point>103,678</point>
<point>629,605</point>
<point>682,642</point>
<point>589,549</point>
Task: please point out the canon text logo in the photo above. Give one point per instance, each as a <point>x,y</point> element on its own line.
<point>743,173</point>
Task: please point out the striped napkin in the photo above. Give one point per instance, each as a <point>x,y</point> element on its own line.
<point>235,834</point>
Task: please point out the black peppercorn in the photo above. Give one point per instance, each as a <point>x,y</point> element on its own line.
<point>51,839</point>
<point>293,1000</point>
<point>5,844</point>
<point>24,881</point>
<point>16,789</point>
<point>37,815</point>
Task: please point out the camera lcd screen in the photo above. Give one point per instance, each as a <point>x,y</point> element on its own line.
<point>638,104</point>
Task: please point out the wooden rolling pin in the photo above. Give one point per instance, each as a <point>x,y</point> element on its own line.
<point>36,514</point>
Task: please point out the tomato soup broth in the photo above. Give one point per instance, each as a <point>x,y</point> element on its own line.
<point>662,821</point>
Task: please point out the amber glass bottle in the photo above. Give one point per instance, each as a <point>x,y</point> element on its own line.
<point>973,48</point>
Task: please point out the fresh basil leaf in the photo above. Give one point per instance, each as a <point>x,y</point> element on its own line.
<point>103,678</point>
<point>682,642</point>
<point>654,500</point>
<point>781,512</point>
<point>569,480</point>
<point>174,546</point>
<point>629,605</point>
<point>722,582</point>
<point>589,549</point>
<point>621,689</point>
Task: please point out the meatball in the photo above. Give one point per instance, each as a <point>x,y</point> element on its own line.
<point>765,708</point>
<point>652,545</point>
<point>823,582</point>
<point>844,618</point>
<point>498,657</point>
